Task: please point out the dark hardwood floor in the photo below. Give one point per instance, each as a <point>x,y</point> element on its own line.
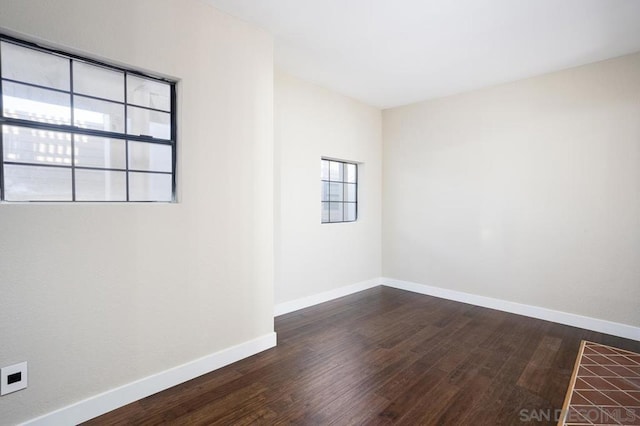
<point>385,356</point>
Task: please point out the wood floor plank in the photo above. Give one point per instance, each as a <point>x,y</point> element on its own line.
<point>383,356</point>
<point>407,399</point>
<point>243,400</point>
<point>469,395</point>
<point>539,368</point>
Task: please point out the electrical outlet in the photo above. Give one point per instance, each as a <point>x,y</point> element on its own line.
<point>13,378</point>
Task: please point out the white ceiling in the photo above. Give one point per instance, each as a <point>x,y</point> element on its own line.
<point>394,52</point>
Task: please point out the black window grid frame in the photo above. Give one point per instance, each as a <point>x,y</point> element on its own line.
<point>329,181</point>
<point>74,130</point>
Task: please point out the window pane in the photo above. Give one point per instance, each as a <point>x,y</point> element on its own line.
<point>92,151</point>
<point>35,67</point>
<point>335,212</point>
<point>350,192</point>
<point>335,191</point>
<point>324,191</point>
<point>99,185</point>
<point>98,81</point>
<point>67,125</point>
<point>350,211</point>
<point>98,115</point>
<point>324,212</point>
<point>338,196</point>
<point>335,171</point>
<point>23,145</point>
<point>149,187</point>
<point>148,93</point>
<point>144,122</point>
<point>351,174</point>
<point>324,170</point>
<point>34,104</point>
<point>149,156</point>
<point>33,183</point>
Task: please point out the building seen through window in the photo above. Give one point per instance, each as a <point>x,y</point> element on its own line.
<point>78,130</point>
<point>338,191</point>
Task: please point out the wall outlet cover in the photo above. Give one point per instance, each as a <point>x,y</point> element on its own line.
<point>13,378</point>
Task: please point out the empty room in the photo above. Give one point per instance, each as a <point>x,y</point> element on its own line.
<point>320,212</point>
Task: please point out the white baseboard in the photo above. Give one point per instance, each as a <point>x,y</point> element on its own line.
<point>123,395</point>
<point>599,325</point>
<point>305,302</point>
<point>574,320</point>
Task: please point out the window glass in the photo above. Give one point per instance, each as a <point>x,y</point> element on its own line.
<point>149,156</point>
<point>324,212</point>
<point>35,104</point>
<point>350,192</point>
<point>98,152</point>
<point>351,173</point>
<point>349,212</point>
<point>335,212</point>
<point>335,171</point>
<point>146,122</point>
<point>34,183</point>
<point>149,187</point>
<point>324,191</point>
<point>324,170</point>
<point>95,114</point>
<point>98,81</point>
<point>74,129</point>
<point>101,185</point>
<point>335,191</point>
<point>34,67</point>
<point>338,191</point>
<point>148,93</point>
<point>34,146</point>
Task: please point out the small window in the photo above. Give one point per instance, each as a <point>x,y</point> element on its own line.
<point>74,129</point>
<point>339,191</point>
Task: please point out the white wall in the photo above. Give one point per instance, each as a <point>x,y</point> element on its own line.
<point>310,123</point>
<point>95,296</point>
<point>527,192</point>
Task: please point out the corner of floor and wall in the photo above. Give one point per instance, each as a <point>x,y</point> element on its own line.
<point>521,197</point>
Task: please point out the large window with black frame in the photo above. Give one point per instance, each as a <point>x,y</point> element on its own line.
<point>75,129</point>
<point>339,191</point>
